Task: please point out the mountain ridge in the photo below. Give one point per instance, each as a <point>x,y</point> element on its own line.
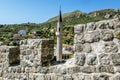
<point>97,13</point>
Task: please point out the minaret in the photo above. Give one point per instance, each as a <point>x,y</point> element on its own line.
<point>59,35</point>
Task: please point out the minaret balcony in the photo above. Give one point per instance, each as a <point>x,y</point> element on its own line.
<point>58,34</point>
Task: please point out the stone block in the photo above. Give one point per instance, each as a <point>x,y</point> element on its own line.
<point>101,25</point>
<point>91,26</point>
<point>17,76</point>
<point>107,35</point>
<point>28,51</point>
<point>79,38</point>
<point>104,68</point>
<point>52,69</point>
<point>31,77</point>
<point>40,77</point>
<point>91,37</point>
<point>117,69</point>
<point>87,48</point>
<point>88,69</point>
<point>23,52</point>
<point>3,57</point>
<point>1,72</point>
<point>104,59</point>
<point>91,59</point>
<point>116,23</point>
<point>80,59</point>
<point>61,70</point>
<point>47,77</point>
<point>101,77</point>
<point>117,33</point>
<point>79,47</point>
<point>79,28</point>
<point>110,47</point>
<point>57,77</point>
<point>116,77</point>
<point>44,70</point>
<point>80,76</point>
<point>54,77</point>
<point>116,59</point>
<point>72,70</point>
<point>67,77</point>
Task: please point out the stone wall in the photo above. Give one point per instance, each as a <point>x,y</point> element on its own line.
<point>9,55</point>
<point>36,52</point>
<point>32,54</point>
<point>97,49</point>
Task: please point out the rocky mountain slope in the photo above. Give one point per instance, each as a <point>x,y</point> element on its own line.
<point>77,16</point>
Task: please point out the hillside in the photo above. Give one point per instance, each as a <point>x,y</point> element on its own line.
<point>69,20</point>
<point>77,17</point>
<point>69,14</point>
<point>105,13</point>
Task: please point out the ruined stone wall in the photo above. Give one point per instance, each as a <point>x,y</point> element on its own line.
<point>9,55</point>
<point>97,50</point>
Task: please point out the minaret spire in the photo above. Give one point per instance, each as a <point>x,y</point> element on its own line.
<point>60,15</point>
<point>59,35</point>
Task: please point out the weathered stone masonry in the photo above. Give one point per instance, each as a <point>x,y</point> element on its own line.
<point>9,55</point>
<point>97,49</point>
<point>36,52</point>
<point>31,54</point>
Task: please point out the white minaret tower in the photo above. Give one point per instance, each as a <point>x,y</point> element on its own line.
<point>59,35</point>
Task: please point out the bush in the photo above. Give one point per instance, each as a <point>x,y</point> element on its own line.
<point>13,43</point>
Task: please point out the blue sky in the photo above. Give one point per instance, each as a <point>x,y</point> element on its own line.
<point>38,11</point>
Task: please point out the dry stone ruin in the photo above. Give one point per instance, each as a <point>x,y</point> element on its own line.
<point>97,56</point>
